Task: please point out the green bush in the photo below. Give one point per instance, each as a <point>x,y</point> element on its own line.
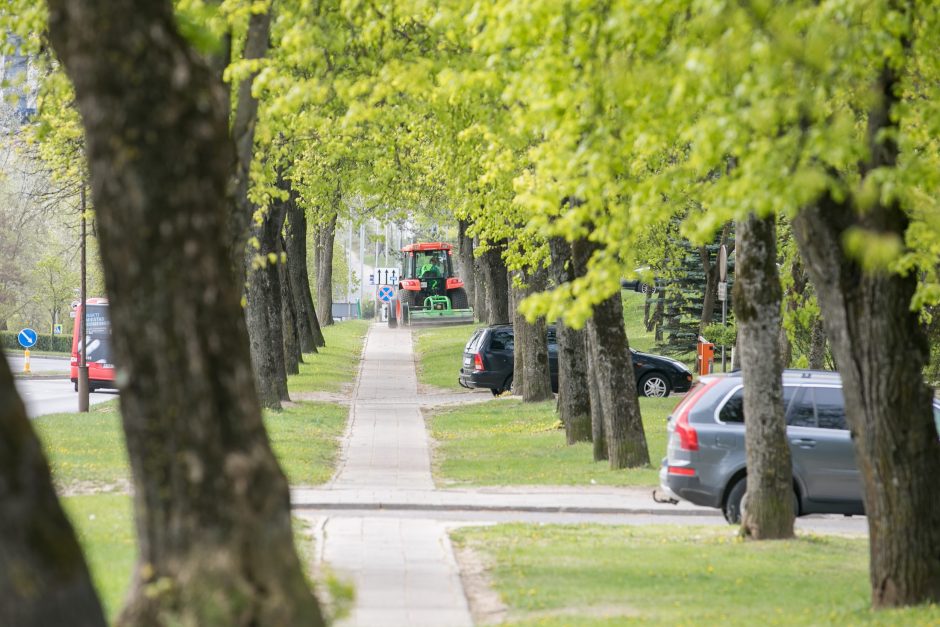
<point>45,342</point>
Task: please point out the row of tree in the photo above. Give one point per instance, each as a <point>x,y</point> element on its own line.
<point>569,140</point>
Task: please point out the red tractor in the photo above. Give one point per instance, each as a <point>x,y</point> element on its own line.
<point>428,292</point>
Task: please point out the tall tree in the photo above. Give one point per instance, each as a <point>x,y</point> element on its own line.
<point>769,513</point>
<point>326,235</point>
<point>311,336</point>
<point>211,503</point>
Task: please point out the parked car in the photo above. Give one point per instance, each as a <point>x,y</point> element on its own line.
<point>488,363</point>
<point>705,461</point>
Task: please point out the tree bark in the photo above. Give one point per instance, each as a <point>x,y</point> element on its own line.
<point>520,331</point>
<point>293,355</point>
<point>212,506</point>
<point>537,382</point>
<point>245,119</point>
<point>479,296</point>
<point>296,237</point>
<point>769,513</point>
<point>497,284</point>
<point>465,257</point>
<point>326,237</point>
<point>712,275</point>
<point>44,579</point>
<point>612,368</point>
<point>574,394</point>
<point>881,350</point>
<point>263,311</point>
<point>598,437</point>
<point>817,346</point>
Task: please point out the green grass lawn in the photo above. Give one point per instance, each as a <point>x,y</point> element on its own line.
<point>105,527</point>
<point>334,367</point>
<point>439,353</point>
<point>507,442</point>
<point>87,451</point>
<point>581,575</point>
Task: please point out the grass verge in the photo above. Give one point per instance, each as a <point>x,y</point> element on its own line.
<point>334,367</point>
<point>507,442</point>
<point>599,575</point>
<point>105,527</point>
<point>439,353</point>
<point>87,452</point>
<point>104,524</point>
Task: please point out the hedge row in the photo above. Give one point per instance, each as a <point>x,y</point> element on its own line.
<point>45,342</point>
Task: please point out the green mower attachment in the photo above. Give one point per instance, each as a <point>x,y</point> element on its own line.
<point>436,311</point>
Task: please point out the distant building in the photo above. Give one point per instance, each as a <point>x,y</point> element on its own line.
<point>18,86</point>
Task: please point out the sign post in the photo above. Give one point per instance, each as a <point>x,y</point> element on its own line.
<point>723,293</point>
<point>27,339</point>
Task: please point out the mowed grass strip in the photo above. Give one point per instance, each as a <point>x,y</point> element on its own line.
<point>335,366</point>
<point>508,442</point>
<point>87,452</point>
<point>587,575</point>
<point>439,352</point>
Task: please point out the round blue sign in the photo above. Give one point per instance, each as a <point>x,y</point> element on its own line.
<point>27,338</point>
<point>386,293</point>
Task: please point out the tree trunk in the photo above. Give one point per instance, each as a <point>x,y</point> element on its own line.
<point>326,237</point>
<point>574,395</point>
<point>537,382</point>
<point>598,437</point>
<point>44,579</point>
<point>520,331</point>
<point>817,346</point>
<point>263,311</point>
<point>497,284</point>
<point>212,506</point>
<point>479,295</point>
<point>612,368</point>
<point>465,257</point>
<point>769,513</point>
<point>881,350</point>
<point>293,355</point>
<point>296,235</point>
<point>245,119</point>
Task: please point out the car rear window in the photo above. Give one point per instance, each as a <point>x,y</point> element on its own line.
<point>502,340</point>
<point>474,344</point>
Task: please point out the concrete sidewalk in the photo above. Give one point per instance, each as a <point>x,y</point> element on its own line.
<point>403,570</point>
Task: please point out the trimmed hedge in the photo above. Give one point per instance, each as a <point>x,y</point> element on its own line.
<point>45,342</point>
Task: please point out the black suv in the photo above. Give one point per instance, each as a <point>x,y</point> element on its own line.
<point>488,363</point>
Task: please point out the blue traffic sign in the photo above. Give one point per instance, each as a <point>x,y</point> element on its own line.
<point>27,338</point>
<point>386,293</point>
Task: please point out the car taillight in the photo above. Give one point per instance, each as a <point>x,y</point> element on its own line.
<point>478,363</point>
<point>688,436</point>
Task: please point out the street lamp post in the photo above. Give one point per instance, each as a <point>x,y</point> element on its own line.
<point>83,352</point>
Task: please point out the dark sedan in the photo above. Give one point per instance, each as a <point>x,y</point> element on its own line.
<point>488,363</point>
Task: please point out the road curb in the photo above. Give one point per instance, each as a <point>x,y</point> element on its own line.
<point>526,509</point>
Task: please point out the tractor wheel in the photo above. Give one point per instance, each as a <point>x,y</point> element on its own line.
<point>458,299</point>
<point>405,314</point>
<point>392,314</point>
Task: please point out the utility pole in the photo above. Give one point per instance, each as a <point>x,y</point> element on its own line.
<point>349,270</point>
<point>83,354</point>
<point>362,261</point>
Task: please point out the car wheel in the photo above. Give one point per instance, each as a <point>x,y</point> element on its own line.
<point>733,504</point>
<point>496,391</point>
<point>507,387</point>
<point>654,385</point>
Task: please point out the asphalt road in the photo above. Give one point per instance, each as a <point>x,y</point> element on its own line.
<point>38,365</point>
<point>54,396</point>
